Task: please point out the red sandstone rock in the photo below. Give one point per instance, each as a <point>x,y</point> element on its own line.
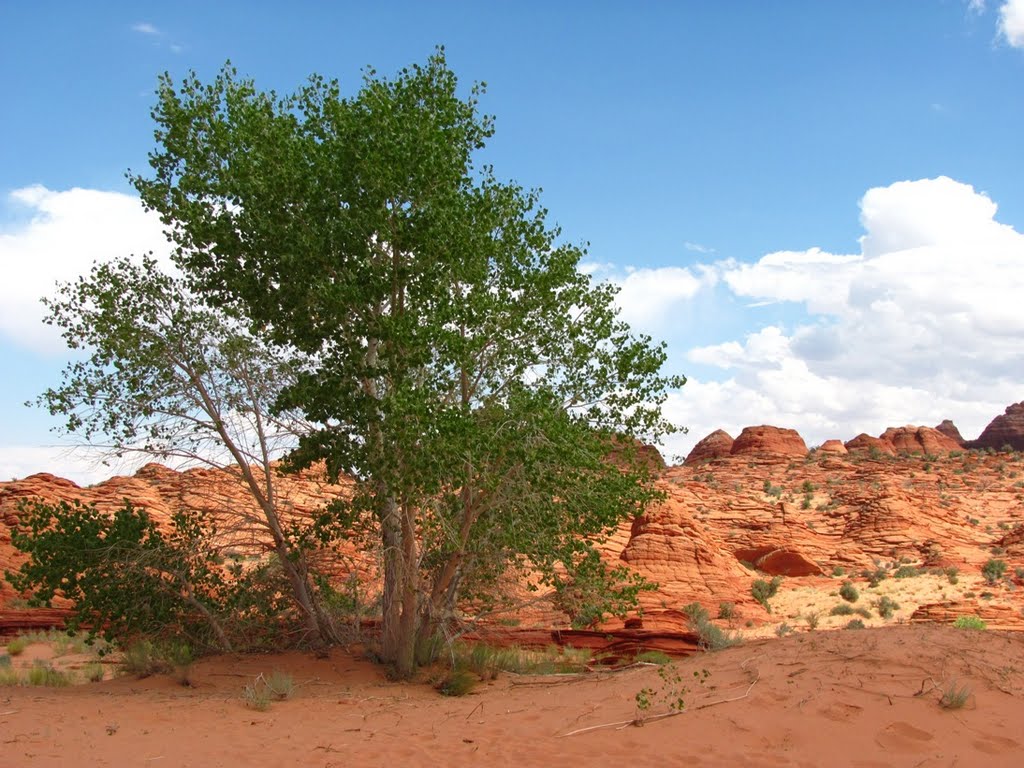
<point>923,440</point>
<point>863,443</point>
<point>833,446</point>
<point>948,428</point>
<point>772,441</point>
<point>717,445</point>
<point>1006,429</point>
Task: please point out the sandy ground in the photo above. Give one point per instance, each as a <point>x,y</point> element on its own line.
<point>843,698</point>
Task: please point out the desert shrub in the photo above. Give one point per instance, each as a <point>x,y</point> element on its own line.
<point>951,575</point>
<point>906,572</point>
<point>838,571</point>
<point>763,591</point>
<point>886,607</point>
<point>862,611</point>
<point>726,610</point>
<point>875,577</point>
<point>969,622</point>
<point>807,487</point>
<point>43,674</point>
<point>843,609</point>
<point>812,620</point>
<point>652,657</point>
<point>954,696</point>
<point>993,570</point>
<point>458,682</point>
<point>5,661</point>
<point>257,696</point>
<point>17,646</point>
<point>696,613</point>
<point>710,637</point>
<point>783,629</point>
<point>143,658</point>
<point>849,592</point>
<point>9,676</point>
<point>855,624</point>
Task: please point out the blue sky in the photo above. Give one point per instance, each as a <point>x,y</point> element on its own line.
<point>818,205</point>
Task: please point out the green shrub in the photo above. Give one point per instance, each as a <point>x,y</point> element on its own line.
<point>855,624</point>
<point>696,613</point>
<point>726,610</point>
<point>458,682</point>
<point>17,646</point>
<point>886,607</point>
<point>951,575</point>
<point>763,591</point>
<point>838,571</point>
<point>969,622</point>
<point>142,659</point>
<point>783,629</point>
<point>993,570</point>
<point>843,609</point>
<point>849,592</point>
<point>906,572</point>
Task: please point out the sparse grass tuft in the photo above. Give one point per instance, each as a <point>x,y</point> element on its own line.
<point>281,685</point>
<point>17,646</point>
<point>257,696</point>
<point>142,659</point>
<point>42,673</point>
<point>955,697</point>
<point>652,657</point>
<point>93,672</point>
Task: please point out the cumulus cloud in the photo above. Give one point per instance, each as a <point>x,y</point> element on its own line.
<point>1011,22</point>
<point>57,236</point>
<point>923,324</point>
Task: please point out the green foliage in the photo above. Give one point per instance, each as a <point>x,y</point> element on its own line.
<point>849,592</point>
<point>783,629</point>
<point>448,351</point>
<point>838,571</point>
<point>671,693</point>
<point>257,696</point>
<point>281,685</point>
<point>843,609</point>
<point>17,646</point>
<point>726,610</point>
<point>763,591</point>
<point>123,576</point>
<point>993,570</point>
<point>886,607</point>
<point>969,622</point>
<point>5,661</point>
<point>458,682</point>
<point>855,624</point>
<point>710,637</point>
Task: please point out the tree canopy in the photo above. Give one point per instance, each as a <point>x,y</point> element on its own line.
<point>442,339</point>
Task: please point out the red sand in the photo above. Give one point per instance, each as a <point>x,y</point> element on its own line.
<point>843,698</point>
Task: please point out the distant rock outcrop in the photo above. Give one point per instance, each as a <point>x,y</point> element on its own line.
<point>911,439</point>
<point>717,445</point>
<point>833,446</point>
<point>948,428</point>
<point>864,443</point>
<point>772,441</point>
<point>1006,429</point>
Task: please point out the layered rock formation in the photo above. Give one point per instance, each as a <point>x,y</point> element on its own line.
<point>924,440</point>
<point>717,445</point>
<point>769,441</point>
<point>1004,430</point>
<point>948,428</point>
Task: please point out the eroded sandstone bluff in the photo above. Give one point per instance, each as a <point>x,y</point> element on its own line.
<point>910,504</point>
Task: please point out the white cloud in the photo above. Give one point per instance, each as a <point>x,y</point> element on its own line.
<point>697,247</point>
<point>976,6</point>
<point>923,324</point>
<point>145,28</point>
<point>66,232</point>
<point>75,464</point>
<point>648,297</point>
<point>1011,22</point>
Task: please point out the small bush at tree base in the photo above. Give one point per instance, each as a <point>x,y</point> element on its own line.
<point>458,682</point>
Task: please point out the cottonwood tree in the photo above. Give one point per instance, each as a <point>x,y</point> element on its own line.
<point>167,377</point>
<point>477,385</point>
